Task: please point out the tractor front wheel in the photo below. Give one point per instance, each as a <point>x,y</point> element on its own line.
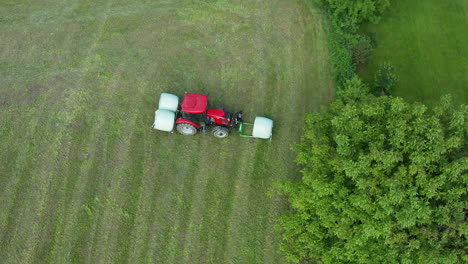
<point>220,132</point>
<point>186,129</point>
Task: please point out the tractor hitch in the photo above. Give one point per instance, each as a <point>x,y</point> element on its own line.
<point>236,120</point>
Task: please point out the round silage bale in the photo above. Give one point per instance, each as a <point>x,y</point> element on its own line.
<point>168,102</point>
<point>262,127</point>
<point>164,120</point>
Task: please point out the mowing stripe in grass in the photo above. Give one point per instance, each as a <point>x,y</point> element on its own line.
<point>236,237</point>
<point>40,175</point>
<point>219,191</point>
<point>77,155</point>
<point>57,200</point>
<point>148,206</point>
<point>111,212</point>
<point>167,208</point>
<point>186,206</point>
<point>75,106</point>
<point>78,177</point>
<point>133,189</point>
<point>12,180</point>
<point>15,196</point>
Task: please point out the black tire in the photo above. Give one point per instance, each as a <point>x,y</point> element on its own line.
<point>220,132</point>
<point>186,129</point>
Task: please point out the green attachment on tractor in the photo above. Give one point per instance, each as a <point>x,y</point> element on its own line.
<point>241,129</point>
<point>261,128</point>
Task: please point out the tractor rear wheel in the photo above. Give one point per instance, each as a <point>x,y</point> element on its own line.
<point>186,129</point>
<point>220,132</point>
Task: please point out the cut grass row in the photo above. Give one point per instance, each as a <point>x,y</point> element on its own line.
<point>85,179</point>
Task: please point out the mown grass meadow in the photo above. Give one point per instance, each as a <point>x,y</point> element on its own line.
<point>84,178</point>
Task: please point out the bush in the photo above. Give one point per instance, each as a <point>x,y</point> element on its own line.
<point>341,59</point>
<point>348,48</point>
<point>385,79</point>
<point>361,50</point>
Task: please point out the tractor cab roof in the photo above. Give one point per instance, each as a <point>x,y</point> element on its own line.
<point>194,103</point>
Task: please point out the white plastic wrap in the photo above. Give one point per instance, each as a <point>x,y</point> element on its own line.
<point>262,127</point>
<point>168,102</point>
<point>164,120</point>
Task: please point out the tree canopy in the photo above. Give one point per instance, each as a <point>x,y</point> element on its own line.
<point>351,13</point>
<point>384,181</point>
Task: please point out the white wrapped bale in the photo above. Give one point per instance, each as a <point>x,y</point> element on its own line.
<point>164,120</point>
<point>262,127</point>
<point>168,102</point>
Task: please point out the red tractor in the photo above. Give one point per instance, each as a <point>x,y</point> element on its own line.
<point>192,115</point>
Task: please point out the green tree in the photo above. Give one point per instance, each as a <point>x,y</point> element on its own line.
<point>351,13</point>
<point>361,50</point>
<point>385,79</point>
<point>384,181</point>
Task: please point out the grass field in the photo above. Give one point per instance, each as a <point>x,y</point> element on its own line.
<point>427,42</point>
<point>83,177</point>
